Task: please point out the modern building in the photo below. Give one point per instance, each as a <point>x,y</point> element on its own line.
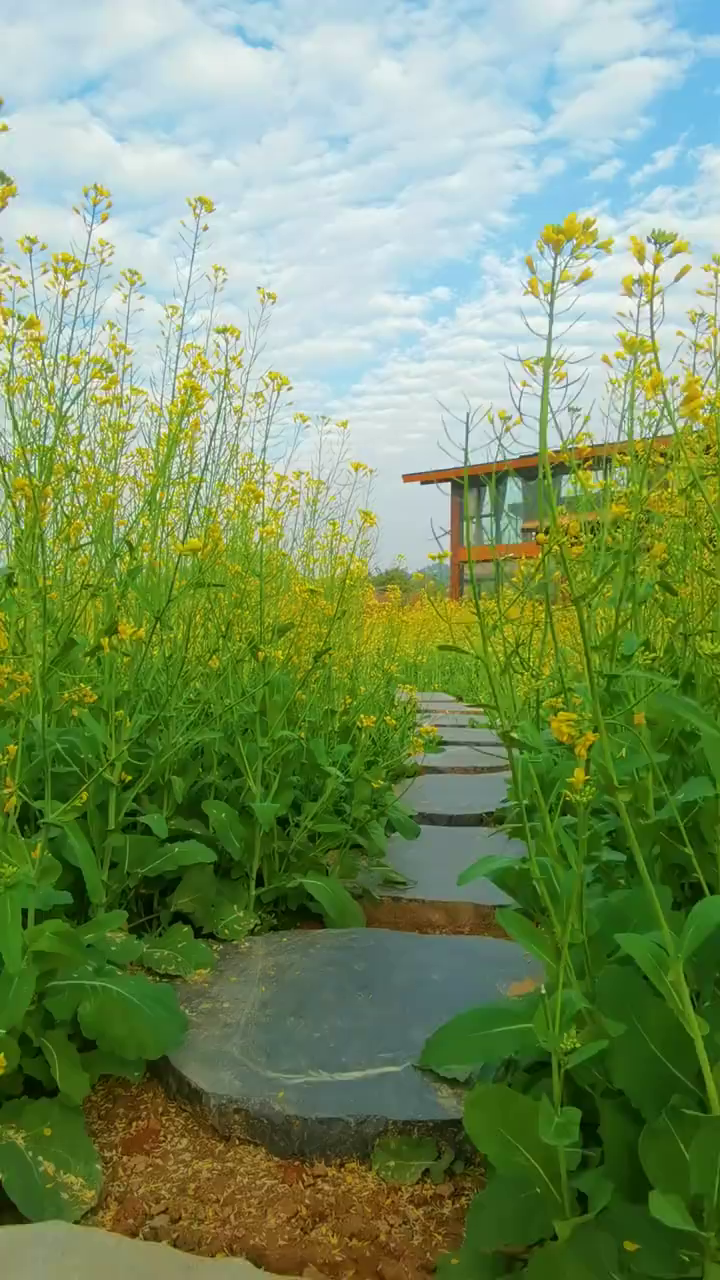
<point>502,520</point>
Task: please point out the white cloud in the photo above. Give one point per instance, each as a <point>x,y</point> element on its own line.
<point>369,161</point>
<point>606,171</point>
<point>661,160</point>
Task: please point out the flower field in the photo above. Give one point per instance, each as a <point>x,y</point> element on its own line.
<point>200,732</point>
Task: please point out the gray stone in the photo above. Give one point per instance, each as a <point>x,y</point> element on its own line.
<point>456,720</point>
<point>58,1251</point>
<point>454,799</point>
<point>305,1041</point>
<point>432,698</point>
<point>462,759</point>
<point>433,862</point>
<point>464,737</point>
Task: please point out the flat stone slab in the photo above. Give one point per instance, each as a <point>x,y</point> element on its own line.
<point>454,719</point>
<point>305,1041</point>
<point>465,737</point>
<point>434,861</point>
<point>454,799</point>
<point>431,698</point>
<point>462,760</point>
<point>58,1251</point>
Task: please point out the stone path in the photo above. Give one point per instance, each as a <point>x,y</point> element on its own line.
<point>306,1041</point>
<point>57,1251</point>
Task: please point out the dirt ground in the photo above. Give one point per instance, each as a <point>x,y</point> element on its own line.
<point>169,1177</point>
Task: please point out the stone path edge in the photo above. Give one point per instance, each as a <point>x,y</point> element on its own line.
<point>320,1137</point>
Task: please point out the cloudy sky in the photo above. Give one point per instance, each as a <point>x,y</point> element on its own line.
<point>384,165</point>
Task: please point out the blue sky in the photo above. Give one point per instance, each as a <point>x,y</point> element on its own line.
<point>384,165</point>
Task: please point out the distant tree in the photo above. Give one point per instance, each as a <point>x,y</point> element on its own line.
<point>394,577</point>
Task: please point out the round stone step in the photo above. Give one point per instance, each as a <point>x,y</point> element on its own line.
<point>454,799</point>
<point>462,760</point>
<point>466,737</point>
<point>306,1041</point>
<point>433,862</point>
<point>462,719</point>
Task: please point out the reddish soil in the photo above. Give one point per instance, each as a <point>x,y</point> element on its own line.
<point>169,1177</point>
<point>415,916</point>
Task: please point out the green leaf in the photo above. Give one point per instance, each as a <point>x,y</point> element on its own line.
<point>153,859</point>
<point>676,708</point>
<point>559,1128</point>
<point>588,1253</point>
<point>480,1036</point>
<point>505,1126</point>
<point>664,1148</point>
<point>654,962</point>
<point>511,1212</point>
<point>16,995</point>
<point>104,922</point>
<point>48,1165</point>
<point>647,1246</point>
<point>65,1063</point>
<point>266,811</point>
<point>518,927</point>
<point>670,1210</point>
<point>403,822</point>
<point>98,1063</point>
<point>157,822</point>
<point>704,1158</point>
<point>178,951</point>
<point>486,867</point>
<point>225,823</point>
<point>702,921</point>
<point>585,1053</point>
<point>340,909</point>
<point>77,850</point>
<point>620,1128</point>
<point>124,1013</point>
<point>405,1159</point>
<point>653,1059</point>
<point>11,930</point>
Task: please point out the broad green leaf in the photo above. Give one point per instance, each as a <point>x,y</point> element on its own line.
<point>671,1210</point>
<point>65,1063</point>
<point>518,927</point>
<point>340,909</point>
<point>653,1059</point>
<point>48,1165</point>
<point>98,1063</point>
<point>170,857</point>
<point>11,930</point>
<point>702,921</point>
<point>585,1053</point>
<point>405,1159</point>
<point>177,951</point>
<point>664,1148</point>
<point>654,962</point>
<point>647,1246</point>
<point>511,1212</point>
<point>681,709</point>
<point>124,1013</point>
<point>157,822</point>
<point>504,1126</point>
<point>77,850</point>
<point>487,1034</point>
<point>266,811</point>
<point>196,894</point>
<point>588,1253</point>
<point>225,823</point>
<point>620,1129</point>
<point>705,1159</point>
<point>403,822</point>
<point>16,995</point>
<point>101,924</point>
<point>559,1128</point>
<point>486,867</point>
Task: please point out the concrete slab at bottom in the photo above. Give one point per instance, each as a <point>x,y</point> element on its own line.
<point>59,1251</point>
